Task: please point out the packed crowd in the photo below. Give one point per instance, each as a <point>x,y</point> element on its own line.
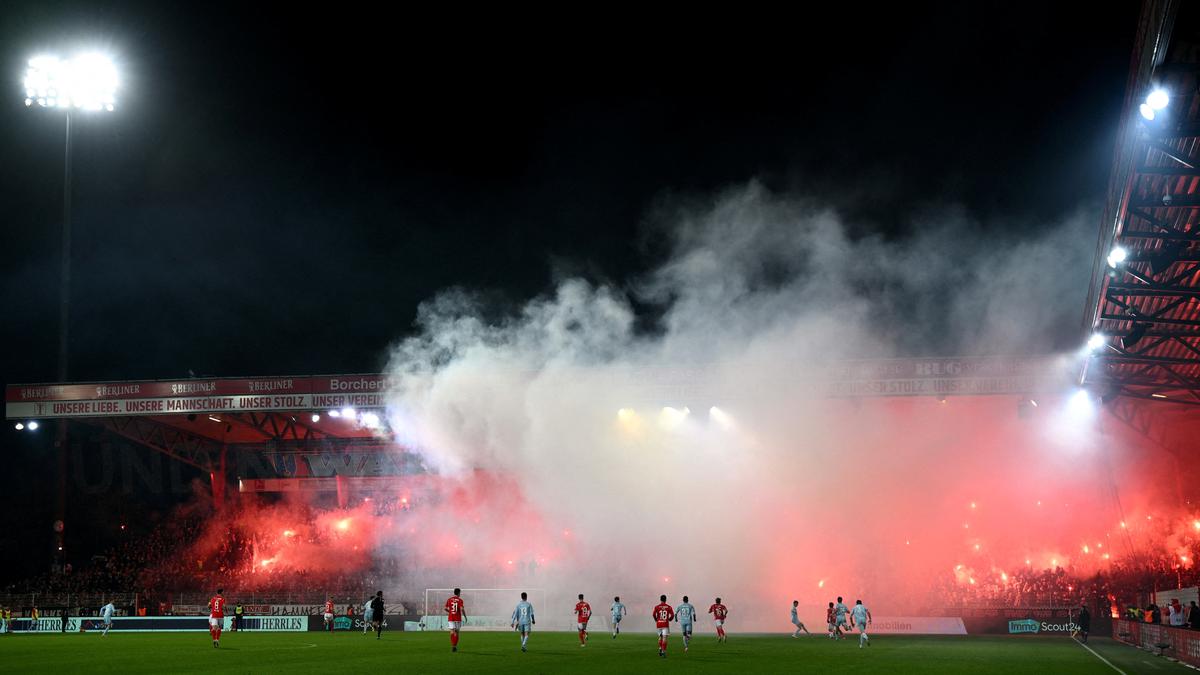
<point>1120,583</point>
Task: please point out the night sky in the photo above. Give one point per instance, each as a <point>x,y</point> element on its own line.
<point>279,190</point>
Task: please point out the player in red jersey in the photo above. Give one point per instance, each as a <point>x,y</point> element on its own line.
<point>663,616</point>
<point>583,612</point>
<point>329,614</point>
<point>829,620</point>
<point>216,616</point>
<point>456,616</point>
<point>719,613</point>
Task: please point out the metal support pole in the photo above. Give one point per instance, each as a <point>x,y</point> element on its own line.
<point>64,316</point>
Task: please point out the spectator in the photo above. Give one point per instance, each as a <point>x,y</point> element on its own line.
<point>1175,613</point>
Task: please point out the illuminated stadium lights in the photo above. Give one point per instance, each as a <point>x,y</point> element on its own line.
<point>19,427</point>
<point>721,418</point>
<point>1096,342</point>
<point>1117,256</point>
<point>1146,111</point>
<point>670,418</point>
<point>32,426</point>
<point>86,82</point>
<point>1158,99</point>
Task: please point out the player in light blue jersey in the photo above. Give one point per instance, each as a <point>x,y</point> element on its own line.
<point>861,616</point>
<point>839,618</point>
<point>106,613</point>
<point>796,620</point>
<point>685,614</point>
<point>368,615</point>
<point>523,619</point>
<point>618,613</point>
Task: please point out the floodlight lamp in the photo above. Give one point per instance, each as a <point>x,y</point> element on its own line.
<point>87,81</point>
<point>1117,256</point>
<point>1146,111</point>
<point>1096,342</point>
<point>1158,99</point>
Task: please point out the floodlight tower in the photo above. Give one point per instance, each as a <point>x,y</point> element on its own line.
<point>87,82</point>
<point>82,84</point>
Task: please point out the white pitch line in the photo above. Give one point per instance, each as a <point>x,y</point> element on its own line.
<point>1106,661</point>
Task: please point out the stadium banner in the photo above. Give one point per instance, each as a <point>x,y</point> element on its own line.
<point>918,625</point>
<point>189,610</point>
<point>294,610</point>
<point>153,624</point>
<point>1185,596</point>
<point>46,625</point>
<point>1183,644</point>
<point>1025,626</point>
<point>274,624</point>
<point>116,399</point>
<point>356,622</point>
<point>438,622</point>
<point>873,377</point>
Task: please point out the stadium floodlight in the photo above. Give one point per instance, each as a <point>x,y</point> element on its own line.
<point>1080,405</point>
<point>1146,111</point>
<point>670,418</point>
<point>32,426</point>
<point>1096,342</point>
<point>1117,256</point>
<point>86,82</point>
<point>1158,99</point>
<point>19,427</point>
<point>720,417</point>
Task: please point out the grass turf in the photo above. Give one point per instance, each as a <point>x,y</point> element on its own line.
<point>494,652</point>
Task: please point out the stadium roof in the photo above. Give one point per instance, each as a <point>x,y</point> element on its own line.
<point>197,420</point>
<point>1147,305</point>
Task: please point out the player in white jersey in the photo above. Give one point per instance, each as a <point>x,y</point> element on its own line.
<point>839,617</point>
<point>618,613</point>
<point>106,614</point>
<point>796,620</point>
<point>523,619</point>
<point>685,614</point>
<point>861,616</point>
<point>368,614</point>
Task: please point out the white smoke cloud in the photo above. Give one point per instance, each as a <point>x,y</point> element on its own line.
<point>758,294</point>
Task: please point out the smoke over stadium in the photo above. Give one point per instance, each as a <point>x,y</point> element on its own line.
<point>699,452</point>
<point>323,324</point>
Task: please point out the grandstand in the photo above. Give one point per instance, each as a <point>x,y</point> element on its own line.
<point>305,473</point>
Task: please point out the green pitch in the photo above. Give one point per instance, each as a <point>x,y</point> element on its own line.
<point>489,652</point>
